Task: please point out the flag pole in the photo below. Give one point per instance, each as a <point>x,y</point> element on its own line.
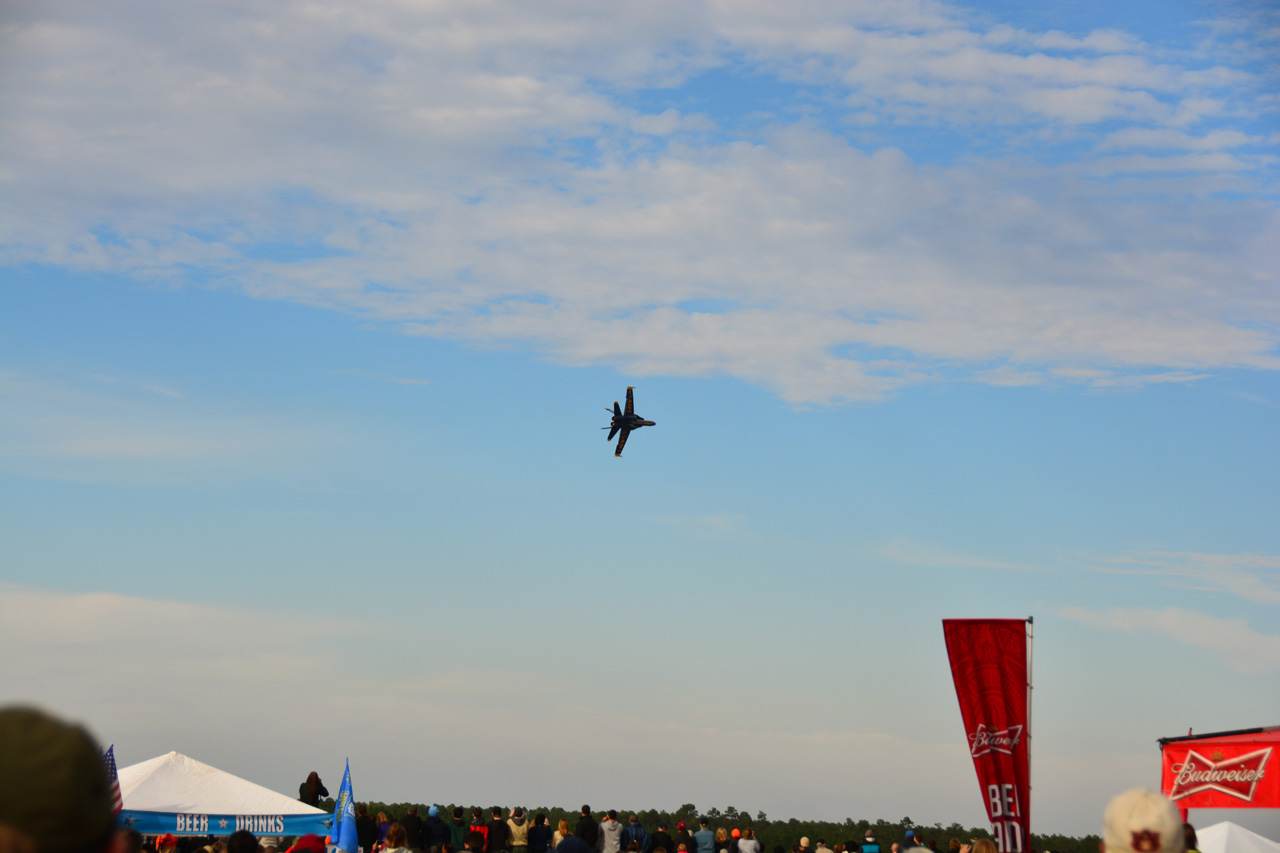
<point>1031,638</point>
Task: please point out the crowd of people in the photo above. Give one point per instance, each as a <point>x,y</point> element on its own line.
<point>55,797</point>
<point>516,833</point>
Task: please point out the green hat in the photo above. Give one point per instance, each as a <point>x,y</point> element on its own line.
<point>54,787</point>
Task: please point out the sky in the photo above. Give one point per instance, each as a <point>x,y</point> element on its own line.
<point>309,311</point>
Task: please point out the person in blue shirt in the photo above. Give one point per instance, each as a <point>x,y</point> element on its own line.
<point>705,838</point>
<point>634,831</point>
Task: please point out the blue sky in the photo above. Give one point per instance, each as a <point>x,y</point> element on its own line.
<point>310,313</point>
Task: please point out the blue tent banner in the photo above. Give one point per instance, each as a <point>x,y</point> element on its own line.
<point>158,823</point>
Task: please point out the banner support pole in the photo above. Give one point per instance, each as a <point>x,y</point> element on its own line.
<point>1031,642</point>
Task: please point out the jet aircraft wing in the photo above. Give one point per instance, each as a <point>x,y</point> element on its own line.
<point>622,440</point>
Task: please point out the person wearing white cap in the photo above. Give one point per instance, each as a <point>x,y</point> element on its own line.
<point>1141,821</point>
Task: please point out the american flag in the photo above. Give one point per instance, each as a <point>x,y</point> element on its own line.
<point>109,760</point>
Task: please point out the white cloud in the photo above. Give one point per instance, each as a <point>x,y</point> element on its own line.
<point>919,554</point>
<point>1255,577</point>
<point>1169,138</point>
<point>428,163</point>
<point>1239,646</point>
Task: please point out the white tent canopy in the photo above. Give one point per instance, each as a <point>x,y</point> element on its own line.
<point>173,786</point>
<point>1227,837</point>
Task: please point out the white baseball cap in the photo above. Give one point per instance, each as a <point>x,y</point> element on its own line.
<point>1142,821</point>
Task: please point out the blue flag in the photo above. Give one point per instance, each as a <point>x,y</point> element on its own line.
<point>344,816</point>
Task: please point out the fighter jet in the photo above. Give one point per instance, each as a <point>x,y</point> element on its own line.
<point>625,421</point>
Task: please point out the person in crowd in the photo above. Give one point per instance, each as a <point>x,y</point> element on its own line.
<point>953,846</point>
<point>804,845</point>
<point>434,831</point>
<point>412,825</point>
<point>312,790</point>
<point>704,837</point>
<point>458,829</point>
<point>722,839</point>
<point>587,829</point>
<point>683,836</point>
<point>984,845</point>
<point>573,843</point>
<point>747,843</point>
<point>366,828</point>
<point>499,837</point>
<point>517,831</point>
<point>473,841</point>
<point>384,826</point>
<point>479,825</point>
<point>540,834</point>
<point>869,843</point>
<point>1142,821</point>
<point>242,841</point>
<point>309,843</point>
<point>610,833</point>
<point>397,839</point>
<point>634,832</point>
<point>561,833</point>
<point>662,840</point>
<point>54,791</point>
<point>1189,838</point>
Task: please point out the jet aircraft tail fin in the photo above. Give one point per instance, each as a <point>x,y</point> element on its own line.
<point>617,410</point>
<point>612,433</point>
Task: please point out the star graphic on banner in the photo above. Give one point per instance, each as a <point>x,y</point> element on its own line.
<point>222,824</point>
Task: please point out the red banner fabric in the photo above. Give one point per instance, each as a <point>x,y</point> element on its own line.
<point>1229,771</point>
<point>989,665</point>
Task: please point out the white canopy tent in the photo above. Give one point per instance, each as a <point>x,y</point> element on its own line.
<point>1227,837</point>
<point>174,793</point>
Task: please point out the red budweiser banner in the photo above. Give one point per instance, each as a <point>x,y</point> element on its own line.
<point>1224,770</point>
<point>989,665</point>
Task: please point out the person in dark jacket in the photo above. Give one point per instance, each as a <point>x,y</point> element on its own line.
<point>684,837</point>
<point>411,823</point>
<point>539,834</point>
<point>498,837</point>
<point>635,831</point>
<point>366,828</point>
<point>662,839</point>
<point>458,829</point>
<point>312,790</point>
<point>434,831</point>
<point>587,829</point>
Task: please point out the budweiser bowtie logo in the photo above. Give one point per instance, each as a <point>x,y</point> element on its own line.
<point>1237,776</point>
<point>983,741</point>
